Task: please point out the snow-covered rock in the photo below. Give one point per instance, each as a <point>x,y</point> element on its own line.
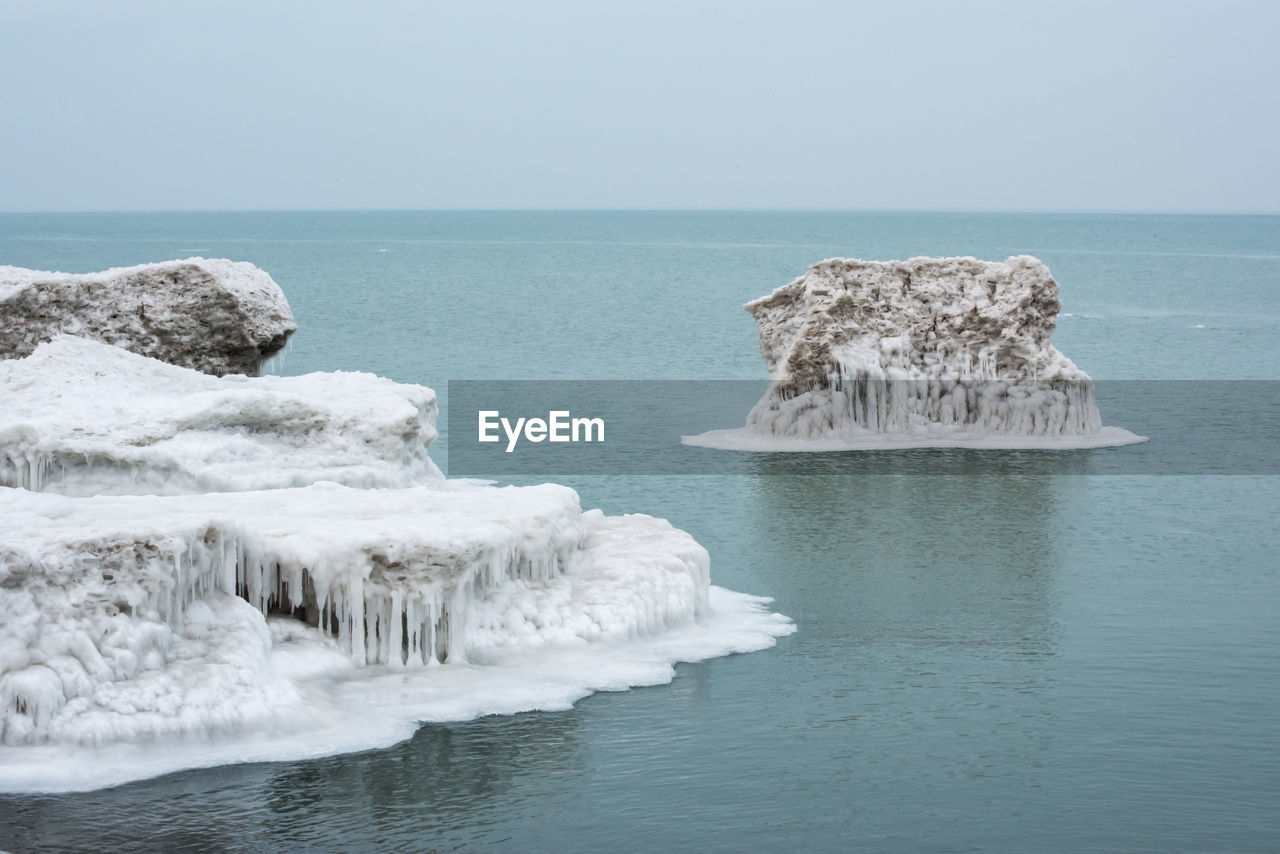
<point>80,417</point>
<point>101,597</point>
<point>172,608</point>
<point>212,315</point>
<point>171,631</point>
<point>927,351</point>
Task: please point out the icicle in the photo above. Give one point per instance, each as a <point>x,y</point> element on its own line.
<point>432,650</point>
<point>394,635</point>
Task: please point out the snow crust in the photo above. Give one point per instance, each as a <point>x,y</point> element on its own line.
<point>184,581</point>
<point>80,417</point>
<point>932,352</point>
<point>213,315</point>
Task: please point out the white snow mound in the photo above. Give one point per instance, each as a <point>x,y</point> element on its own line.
<point>80,417</point>
<point>213,315</point>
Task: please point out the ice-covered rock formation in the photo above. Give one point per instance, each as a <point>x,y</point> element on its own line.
<point>176,605</point>
<point>80,417</point>
<point>927,351</point>
<point>212,315</point>
<point>114,603</point>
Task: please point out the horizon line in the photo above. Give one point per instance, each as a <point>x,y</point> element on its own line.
<point>658,210</point>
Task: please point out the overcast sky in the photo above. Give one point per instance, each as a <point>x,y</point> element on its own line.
<point>1115,105</point>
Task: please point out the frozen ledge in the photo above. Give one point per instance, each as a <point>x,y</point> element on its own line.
<point>170,610</point>
<point>139,635</point>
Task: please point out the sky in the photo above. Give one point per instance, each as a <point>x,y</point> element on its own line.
<point>1123,105</point>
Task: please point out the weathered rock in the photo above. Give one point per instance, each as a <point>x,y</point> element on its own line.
<point>929,317</point>
<point>213,315</point>
<point>927,351</point>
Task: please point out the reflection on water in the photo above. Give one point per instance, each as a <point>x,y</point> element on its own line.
<point>442,781</point>
<point>944,560</point>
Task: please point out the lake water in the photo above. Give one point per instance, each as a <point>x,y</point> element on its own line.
<point>983,662</point>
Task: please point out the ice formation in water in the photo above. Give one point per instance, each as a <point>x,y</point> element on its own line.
<point>213,315</point>
<point>155,605</point>
<point>185,579</point>
<point>927,351</point>
<point>80,417</point>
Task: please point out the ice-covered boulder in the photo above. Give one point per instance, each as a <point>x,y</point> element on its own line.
<point>81,417</point>
<point>212,315</point>
<point>927,351</point>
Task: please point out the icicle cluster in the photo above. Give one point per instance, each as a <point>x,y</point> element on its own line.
<point>101,598</point>
<point>858,402</point>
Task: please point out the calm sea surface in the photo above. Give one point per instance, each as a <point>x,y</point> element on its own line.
<point>986,662</point>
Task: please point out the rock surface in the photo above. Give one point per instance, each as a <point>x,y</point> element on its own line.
<point>212,315</point>
<point>929,317</point>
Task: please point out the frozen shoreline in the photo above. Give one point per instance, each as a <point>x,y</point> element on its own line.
<point>350,709</point>
<point>183,583</point>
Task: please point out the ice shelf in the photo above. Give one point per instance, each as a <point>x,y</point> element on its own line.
<point>197,569</point>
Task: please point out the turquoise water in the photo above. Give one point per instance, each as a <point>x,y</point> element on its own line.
<point>1005,662</point>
